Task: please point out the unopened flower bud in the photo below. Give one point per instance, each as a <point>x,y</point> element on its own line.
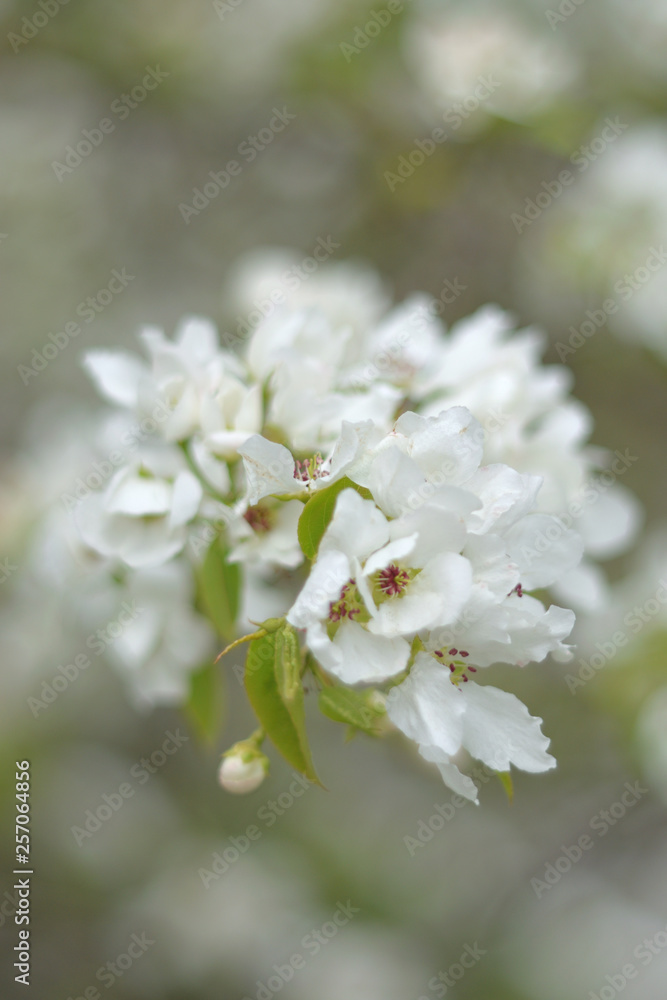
<point>377,700</point>
<point>243,768</point>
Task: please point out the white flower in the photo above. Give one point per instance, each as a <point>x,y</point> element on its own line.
<point>229,416</point>
<point>453,52</point>
<point>349,293</point>
<point>306,405</point>
<point>267,534</point>
<point>444,712</point>
<point>518,630</point>
<point>494,371</point>
<point>360,587</point>
<point>399,347</point>
<point>141,517</point>
<point>444,544</point>
<point>318,375</point>
<point>307,363</point>
<point>190,386</point>
<point>272,470</point>
<point>604,241</point>
<point>166,640</point>
<point>529,422</point>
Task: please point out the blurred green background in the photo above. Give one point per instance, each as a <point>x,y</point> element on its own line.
<point>364,83</point>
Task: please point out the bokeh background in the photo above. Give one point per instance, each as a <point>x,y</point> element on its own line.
<point>364,82</point>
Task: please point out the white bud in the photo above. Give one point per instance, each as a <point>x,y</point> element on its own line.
<point>241,776</point>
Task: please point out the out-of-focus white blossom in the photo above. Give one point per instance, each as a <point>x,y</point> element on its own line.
<point>453,51</point>
<point>606,237</point>
<point>350,293</point>
<point>141,516</point>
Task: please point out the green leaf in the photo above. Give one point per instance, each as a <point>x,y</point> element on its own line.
<point>205,703</point>
<point>506,781</point>
<point>354,708</point>
<point>318,512</point>
<point>219,587</point>
<point>273,683</point>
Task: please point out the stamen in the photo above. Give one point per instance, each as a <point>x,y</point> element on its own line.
<point>393,580</point>
<point>309,469</point>
<point>346,606</point>
<point>260,519</point>
<point>459,669</point>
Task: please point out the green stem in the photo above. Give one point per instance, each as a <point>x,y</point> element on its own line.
<point>227,501</point>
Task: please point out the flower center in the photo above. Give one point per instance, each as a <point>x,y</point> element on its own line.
<point>260,519</point>
<point>393,580</point>
<point>348,604</point>
<point>309,469</point>
<point>459,669</point>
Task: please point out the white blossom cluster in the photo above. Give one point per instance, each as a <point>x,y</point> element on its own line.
<point>448,457</point>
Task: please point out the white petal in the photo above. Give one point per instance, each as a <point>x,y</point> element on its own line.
<point>543,549</point>
<point>435,597</point>
<point>138,496</point>
<point>186,497</point>
<point>211,468</point>
<point>396,482</point>
<point>452,777</point>
<point>93,523</point>
<point>447,448</point>
<point>378,404</point>
<point>228,444</point>
<point>584,588</point>
<point>183,420</point>
<point>116,375</point>
<point>249,414</point>
<point>269,469</point>
<point>494,572</point>
<point>610,522</point>
<point>150,543</point>
<point>499,730</point>
<point>415,327</point>
<point>363,586</point>
<point>506,496</point>
<point>327,655</point>
<point>353,444</point>
<point>518,631</point>
<point>435,530</point>
<point>393,552</point>
<point>534,635</point>
<point>427,707</point>
<point>357,527</point>
<point>169,363</point>
<point>326,580</point>
<point>140,638</point>
<point>365,657</point>
<point>198,337</point>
